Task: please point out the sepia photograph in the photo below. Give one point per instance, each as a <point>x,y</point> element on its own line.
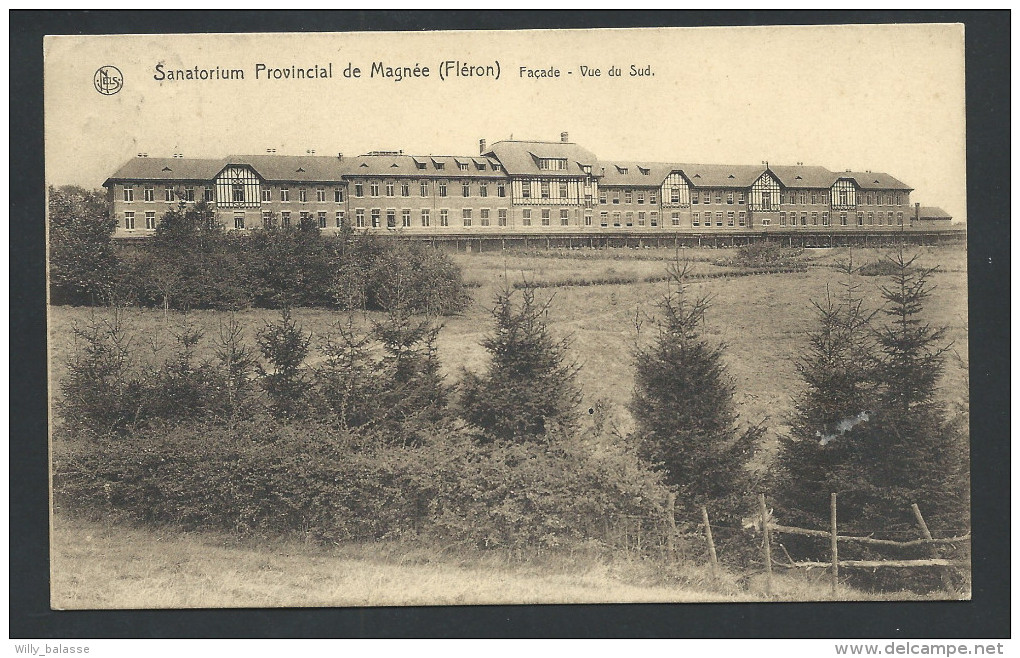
<point>508,317</point>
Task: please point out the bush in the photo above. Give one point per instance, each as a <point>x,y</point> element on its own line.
<point>82,259</point>
<point>878,268</point>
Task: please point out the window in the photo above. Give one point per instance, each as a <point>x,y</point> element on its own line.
<point>674,195</point>
<point>267,194</point>
<point>742,198</point>
<point>285,218</point>
<point>500,189</point>
<point>237,193</point>
<point>803,219</point>
<point>729,198</point>
<point>129,221</point>
<point>695,219</point>
<point>439,165</point>
<point>426,219</point>
<point>463,166</point>
<point>842,219</point>
<point>803,197</point>
<point>616,198</point>
<point>389,188</point>
<point>239,220</point>
<point>376,217</point>
<point>628,196</point>
<point>267,219</point>
<point>741,219</point>
<point>729,218</point>
<point>502,217</point>
<point>564,220</point>
<point>302,195</point>
<point>129,193</point>
<point>603,219</point>
<point>546,213</point>
<point>563,189</point>
<point>391,218</point>
<point>899,219</point>
<point>871,219</point>
<point>285,193</point>
<point>150,220</point>
<point>149,193</point>
<point>338,195</point>
<point>526,217</point>
<point>675,219</point>
<point>405,189</point>
<point>465,189</point>
<point>718,196</point>
<point>640,197</point>
<point>630,219</point>
<point>339,218</point>
<point>442,188</point>
<point>553,163</point>
<point>169,193</point>
<point>814,219</point>
<point>483,189</point>
<point>322,214</point>
<point>602,198</point>
<point>694,197</point>
<point>359,218</point>
<point>652,198</point>
<point>208,194</point>
<point>860,219</point>
<point>654,218</point>
<point>587,219</point>
<point>718,219</point>
<point>814,198</point>
<point>616,219</point>
<point>782,219</point>
<point>444,217</point>
<point>304,218</point>
<point>320,195</point>
<point>889,219</point>
<point>405,217</point>
<point>766,221</point>
<point>374,189</point>
<point>640,219</point>
<point>544,189</point>
<point>825,219</point>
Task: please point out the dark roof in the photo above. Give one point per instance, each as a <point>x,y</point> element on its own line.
<point>874,180</point>
<point>702,175</point>
<point>635,174</point>
<point>932,212</point>
<point>292,168</point>
<point>396,165</point>
<point>800,176</point>
<point>521,157</point>
<point>197,169</point>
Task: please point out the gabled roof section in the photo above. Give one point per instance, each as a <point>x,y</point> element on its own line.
<point>875,180</point>
<point>398,165</point>
<point>933,212</point>
<point>521,157</point>
<point>736,176</point>
<point>175,169</point>
<point>804,177</point>
<point>635,174</point>
<point>292,168</point>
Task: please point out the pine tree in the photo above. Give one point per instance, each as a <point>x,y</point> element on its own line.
<point>838,370</point>
<point>684,410</point>
<point>285,345</point>
<point>530,386</point>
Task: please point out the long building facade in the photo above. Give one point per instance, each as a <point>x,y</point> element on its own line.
<point>512,187</point>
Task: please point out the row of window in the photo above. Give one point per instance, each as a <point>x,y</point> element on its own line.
<point>374,218</point>
<point>627,219</point>
<point>442,188</point>
<point>629,195</point>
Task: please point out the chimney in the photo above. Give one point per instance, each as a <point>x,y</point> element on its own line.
<point>340,156</point>
<point>481,146</point>
<point>143,155</point>
<point>564,137</point>
<point>270,150</point>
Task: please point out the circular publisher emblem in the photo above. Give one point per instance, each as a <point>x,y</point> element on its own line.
<point>108,80</point>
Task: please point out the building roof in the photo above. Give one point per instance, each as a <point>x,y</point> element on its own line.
<point>801,176</point>
<point>875,180</point>
<point>398,164</point>
<point>933,212</point>
<point>634,174</point>
<point>292,168</point>
<point>198,169</point>
<point>702,175</point>
<point>521,157</point>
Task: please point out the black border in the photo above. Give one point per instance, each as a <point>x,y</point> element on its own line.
<point>987,616</point>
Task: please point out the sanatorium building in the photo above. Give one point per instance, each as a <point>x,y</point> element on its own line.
<point>512,187</point>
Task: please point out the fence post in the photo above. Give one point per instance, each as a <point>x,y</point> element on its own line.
<point>766,546</point>
<point>670,526</point>
<point>927,535</point>
<point>711,544</point>
<point>834,542</point>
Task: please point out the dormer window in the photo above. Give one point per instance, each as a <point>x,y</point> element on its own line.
<point>644,172</point>
<point>622,170</point>
<point>495,167</point>
<point>300,170</point>
<point>421,165</point>
<point>463,166</point>
<point>169,169</point>
<point>439,165</point>
<point>552,164</point>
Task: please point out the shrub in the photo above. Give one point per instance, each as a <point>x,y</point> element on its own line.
<point>285,346</point>
<point>82,260</point>
<point>878,268</point>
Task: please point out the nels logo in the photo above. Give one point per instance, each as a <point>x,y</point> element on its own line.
<point>108,80</point>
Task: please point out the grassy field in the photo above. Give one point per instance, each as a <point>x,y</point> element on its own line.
<point>100,566</point>
<point>762,319</point>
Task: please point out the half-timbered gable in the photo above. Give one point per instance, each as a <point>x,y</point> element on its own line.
<point>765,193</point>
<point>675,191</point>
<point>844,194</point>
<point>238,186</point>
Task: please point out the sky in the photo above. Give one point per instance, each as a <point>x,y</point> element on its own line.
<point>863,97</point>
